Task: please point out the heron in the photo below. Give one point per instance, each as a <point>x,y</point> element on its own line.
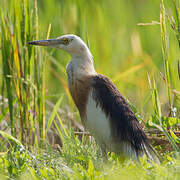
<point>104,112</point>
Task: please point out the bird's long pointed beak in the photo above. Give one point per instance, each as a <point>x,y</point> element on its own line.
<point>49,42</point>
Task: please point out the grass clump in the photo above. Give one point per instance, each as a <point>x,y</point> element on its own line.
<point>83,162</point>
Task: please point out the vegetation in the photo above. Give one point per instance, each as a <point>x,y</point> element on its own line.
<point>136,44</point>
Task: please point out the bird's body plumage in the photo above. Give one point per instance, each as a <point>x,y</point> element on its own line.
<point>103,110</point>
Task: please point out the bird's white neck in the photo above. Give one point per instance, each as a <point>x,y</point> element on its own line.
<point>81,65</point>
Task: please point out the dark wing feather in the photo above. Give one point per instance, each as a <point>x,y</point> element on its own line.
<point>125,126</point>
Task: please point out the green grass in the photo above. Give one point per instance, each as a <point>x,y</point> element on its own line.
<point>135,43</point>
<point>80,160</point>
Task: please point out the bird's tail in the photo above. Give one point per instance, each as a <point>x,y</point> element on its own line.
<point>150,153</point>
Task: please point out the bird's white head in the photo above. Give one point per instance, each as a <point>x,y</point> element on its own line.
<point>70,43</point>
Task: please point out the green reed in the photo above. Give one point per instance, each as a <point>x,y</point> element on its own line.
<point>170,78</point>
<point>22,70</point>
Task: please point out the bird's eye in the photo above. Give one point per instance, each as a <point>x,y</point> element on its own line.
<point>66,41</point>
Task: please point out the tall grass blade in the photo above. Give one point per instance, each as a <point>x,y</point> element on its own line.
<point>9,137</point>
<point>179,69</point>
<point>53,114</point>
<point>7,55</point>
<point>165,50</point>
<point>60,121</point>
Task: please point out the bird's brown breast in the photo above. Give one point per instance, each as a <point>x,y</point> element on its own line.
<point>79,89</point>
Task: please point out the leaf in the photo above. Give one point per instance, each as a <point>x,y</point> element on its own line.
<point>11,138</point>
<point>171,140</point>
<point>59,131</point>
<point>164,36</point>
<point>60,121</point>
<point>170,121</point>
<point>179,69</point>
<point>91,168</point>
<point>51,118</point>
<point>155,125</point>
<point>5,111</point>
<point>174,137</point>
